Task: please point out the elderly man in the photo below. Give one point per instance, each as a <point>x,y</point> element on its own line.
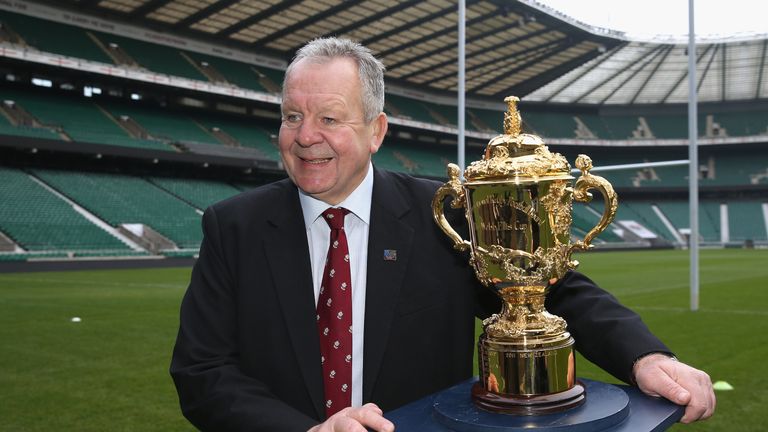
<point>321,300</point>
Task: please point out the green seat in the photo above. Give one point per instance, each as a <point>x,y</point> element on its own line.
<point>38,220</point>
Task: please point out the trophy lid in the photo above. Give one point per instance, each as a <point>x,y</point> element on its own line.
<point>516,155</point>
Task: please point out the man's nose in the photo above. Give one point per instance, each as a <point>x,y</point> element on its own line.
<point>308,133</point>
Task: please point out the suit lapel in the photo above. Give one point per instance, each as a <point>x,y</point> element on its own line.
<point>388,231</point>
<point>290,266</point>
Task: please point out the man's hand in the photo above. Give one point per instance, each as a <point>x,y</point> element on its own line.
<point>356,420</point>
<point>661,375</point>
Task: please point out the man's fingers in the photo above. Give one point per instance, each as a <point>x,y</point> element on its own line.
<point>678,382</point>
<point>360,419</point>
<point>703,401</point>
<point>371,416</point>
<point>668,388</point>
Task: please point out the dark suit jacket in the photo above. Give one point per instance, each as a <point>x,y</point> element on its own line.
<point>247,353</point>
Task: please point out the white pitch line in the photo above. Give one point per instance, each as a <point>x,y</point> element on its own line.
<point>90,282</point>
<point>705,310</point>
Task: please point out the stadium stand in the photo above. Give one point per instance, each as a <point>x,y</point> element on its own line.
<point>678,213</point>
<point>54,37</point>
<point>14,123</point>
<point>122,199</point>
<point>74,119</point>
<point>248,133</point>
<point>585,217</point>
<point>745,221</point>
<point>164,124</point>
<point>412,109</point>
<point>171,204</point>
<point>236,73</point>
<point>553,125</point>
<point>197,193</point>
<point>153,57</point>
<point>37,220</point>
<point>485,120</point>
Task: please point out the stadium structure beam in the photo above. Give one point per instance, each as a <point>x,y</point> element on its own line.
<point>759,85</point>
<point>147,7</point>
<point>203,13</point>
<point>587,70</point>
<point>723,70</point>
<point>651,74</point>
<point>528,55</point>
<point>693,156</point>
<point>84,4</point>
<point>601,83</point>
<point>524,87</point>
<point>652,54</point>
<point>397,7</point>
<point>707,68</point>
<point>450,60</point>
<point>272,10</point>
<point>411,24</point>
<point>312,19</point>
<point>684,73</point>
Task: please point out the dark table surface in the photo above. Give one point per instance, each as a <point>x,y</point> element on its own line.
<point>608,407</point>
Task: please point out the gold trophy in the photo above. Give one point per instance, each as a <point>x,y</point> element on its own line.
<point>518,202</point>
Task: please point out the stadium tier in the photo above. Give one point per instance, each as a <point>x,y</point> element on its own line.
<point>197,193</point>
<point>171,205</point>
<point>243,133</point>
<point>746,220</point>
<point>412,109</point>
<point>72,118</point>
<point>38,220</point>
<point>585,217</point>
<point>7,128</point>
<point>238,74</point>
<point>122,199</point>
<point>153,57</point>
<point>53,37</point>
<point>164,125</point>
<point>103,47</point>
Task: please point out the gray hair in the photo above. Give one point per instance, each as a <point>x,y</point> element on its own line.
<point>370,70</point>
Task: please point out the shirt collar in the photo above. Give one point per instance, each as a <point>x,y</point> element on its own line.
<point>358,202</point>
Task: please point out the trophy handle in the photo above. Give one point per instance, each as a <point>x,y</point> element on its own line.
<point>454,189</point>
<point>586,182</point>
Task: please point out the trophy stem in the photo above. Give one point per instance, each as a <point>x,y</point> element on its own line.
<point>527,363</point>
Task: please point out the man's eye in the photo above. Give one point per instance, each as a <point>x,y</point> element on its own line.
<point>329,121</point>
<point>292,118</point>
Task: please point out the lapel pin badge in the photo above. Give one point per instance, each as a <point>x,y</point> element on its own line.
<point>390,254</point>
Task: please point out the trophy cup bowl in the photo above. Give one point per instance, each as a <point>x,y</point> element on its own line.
<point>518,204</point>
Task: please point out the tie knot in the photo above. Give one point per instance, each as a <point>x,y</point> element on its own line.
<point>335,217</point>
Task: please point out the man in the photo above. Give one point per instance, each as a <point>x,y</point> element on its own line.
<point>250,354</point>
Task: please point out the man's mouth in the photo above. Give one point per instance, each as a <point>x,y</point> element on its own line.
<point>316,161</point>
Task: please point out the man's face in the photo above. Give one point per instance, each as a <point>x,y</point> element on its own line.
<point>325,143</point>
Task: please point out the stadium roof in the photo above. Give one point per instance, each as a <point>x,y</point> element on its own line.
<point>644,73</point>
<point>513,47</point>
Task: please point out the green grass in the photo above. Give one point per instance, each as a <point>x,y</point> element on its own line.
<point>107,373</point>
<point>726,337</point>
<point>110,371</point>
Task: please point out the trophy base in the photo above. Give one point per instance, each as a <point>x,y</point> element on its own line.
<point>528,405</point>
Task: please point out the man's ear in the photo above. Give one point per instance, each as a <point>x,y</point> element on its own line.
<point>379,131</point>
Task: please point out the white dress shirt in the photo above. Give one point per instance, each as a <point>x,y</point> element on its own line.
<point>356,225</point>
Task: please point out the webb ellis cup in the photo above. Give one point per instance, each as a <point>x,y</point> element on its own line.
<point>518,202</point>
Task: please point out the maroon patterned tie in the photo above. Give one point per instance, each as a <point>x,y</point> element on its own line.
<point>334,317</point>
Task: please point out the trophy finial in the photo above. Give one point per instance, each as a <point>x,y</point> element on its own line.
<point>584,163</point>
<point>512,120</point>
